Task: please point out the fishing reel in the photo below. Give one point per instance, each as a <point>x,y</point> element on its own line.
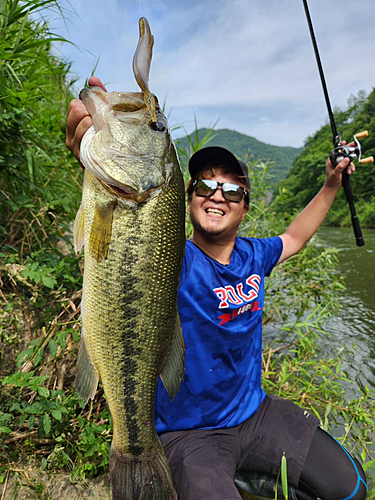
<point>340,151</point>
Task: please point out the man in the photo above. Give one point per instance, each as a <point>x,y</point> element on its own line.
<point>221,422</point>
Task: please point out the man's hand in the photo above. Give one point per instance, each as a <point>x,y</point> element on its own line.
<point>334,175</point>
<point>79,121</point>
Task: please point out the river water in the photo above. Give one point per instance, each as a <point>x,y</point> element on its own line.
<point>354,325</point>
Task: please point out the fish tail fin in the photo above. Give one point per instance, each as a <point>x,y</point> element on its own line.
<point>144,477</point>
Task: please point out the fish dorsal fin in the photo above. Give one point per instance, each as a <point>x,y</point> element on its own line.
<point>173,371</point>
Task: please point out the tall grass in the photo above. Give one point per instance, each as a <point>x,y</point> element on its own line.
<point>36,175</point>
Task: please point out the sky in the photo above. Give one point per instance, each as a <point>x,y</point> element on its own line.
<point>248,65</point>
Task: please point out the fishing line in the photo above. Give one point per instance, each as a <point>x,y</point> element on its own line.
<point>140,8</point>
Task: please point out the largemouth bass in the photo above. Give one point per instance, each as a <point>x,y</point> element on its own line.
<point>132,225</point>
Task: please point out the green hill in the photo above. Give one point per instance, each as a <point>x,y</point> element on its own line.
<point>308,172</point>
<point>248,148</point>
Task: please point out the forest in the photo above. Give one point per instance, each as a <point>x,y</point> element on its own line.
<point>308,171</point>
<point>44,425</point>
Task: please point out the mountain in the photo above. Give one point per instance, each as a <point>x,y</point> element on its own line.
<point>247,149</point>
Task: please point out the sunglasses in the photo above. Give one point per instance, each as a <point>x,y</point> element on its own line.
<point>230,191</point>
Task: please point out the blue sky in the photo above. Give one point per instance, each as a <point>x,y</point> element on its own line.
<point>247,63</point>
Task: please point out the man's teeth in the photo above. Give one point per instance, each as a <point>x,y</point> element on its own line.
<point>215,211</point>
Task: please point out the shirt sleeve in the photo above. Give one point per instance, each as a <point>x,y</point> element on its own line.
<point>187,262</point>
<point>272,249</point>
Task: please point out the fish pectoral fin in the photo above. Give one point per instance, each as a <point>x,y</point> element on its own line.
<point>78,230</point>
<point>101,229</point>
<point>87,376</point>
<point>173,371</point>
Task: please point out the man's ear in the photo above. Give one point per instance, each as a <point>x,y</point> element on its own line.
<point>245,210</point>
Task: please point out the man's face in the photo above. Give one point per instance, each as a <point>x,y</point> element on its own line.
<point>214,216</point>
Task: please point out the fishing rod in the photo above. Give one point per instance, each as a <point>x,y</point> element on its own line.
<point>340,151</point>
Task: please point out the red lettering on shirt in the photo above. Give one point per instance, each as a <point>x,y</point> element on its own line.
<point>247,297</point>
<point>223,296</point>
<point>225,318</point>
<point>232,296</point>
<point>228,294</point>
<point>254,281</point>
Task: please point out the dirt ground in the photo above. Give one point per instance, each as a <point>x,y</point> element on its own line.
<point>30,484</point>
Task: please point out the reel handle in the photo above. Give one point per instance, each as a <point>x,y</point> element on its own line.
<point>361,135</point>
<point>369,159</point>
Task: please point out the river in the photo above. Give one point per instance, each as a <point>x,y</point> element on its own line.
<point>354,326</point>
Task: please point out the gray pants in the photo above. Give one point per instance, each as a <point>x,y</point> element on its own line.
<point>204,462</point>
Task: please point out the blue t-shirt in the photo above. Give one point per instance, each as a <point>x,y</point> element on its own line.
<point>220,309</point>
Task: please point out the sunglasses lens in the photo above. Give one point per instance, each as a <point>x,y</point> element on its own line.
<point>205,188</point>
<point>232,192</point>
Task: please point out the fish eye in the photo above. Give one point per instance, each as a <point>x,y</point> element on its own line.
<point>158,126</point>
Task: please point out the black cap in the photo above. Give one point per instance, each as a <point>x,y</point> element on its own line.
<point>215,155</point>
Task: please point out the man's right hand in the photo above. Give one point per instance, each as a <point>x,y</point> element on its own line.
<point>79,121</point>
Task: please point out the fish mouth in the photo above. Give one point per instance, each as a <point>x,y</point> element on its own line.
<point>128,193</point>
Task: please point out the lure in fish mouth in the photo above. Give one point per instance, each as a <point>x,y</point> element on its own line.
<point>142,62</point>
